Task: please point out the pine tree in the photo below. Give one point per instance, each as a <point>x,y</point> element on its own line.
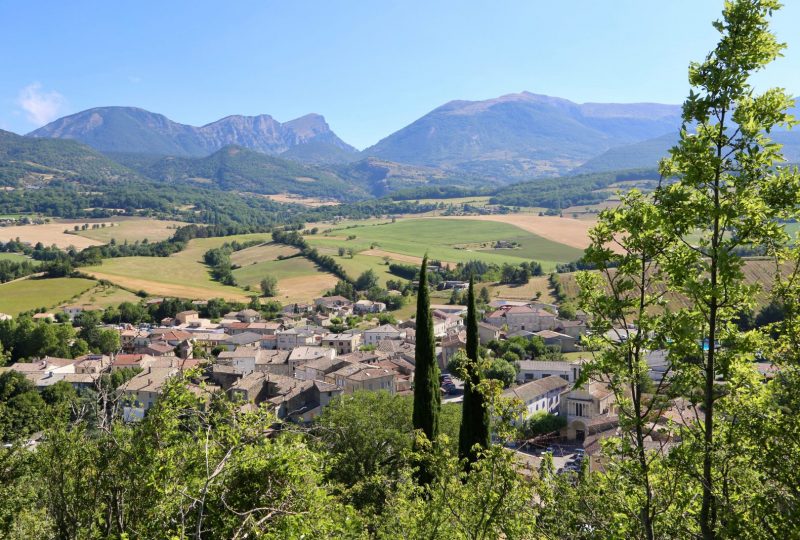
<point>475,415</point>
<point>427,395</point>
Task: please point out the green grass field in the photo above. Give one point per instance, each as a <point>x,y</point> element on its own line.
<point>28,294</point>
<point>449,240</point>
<point>102,296</point>
<point>262,252</point>
<point>280,270</point>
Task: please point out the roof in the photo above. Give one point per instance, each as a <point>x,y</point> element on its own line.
<point>394,346</point>
<point>339,337</point>
<point>150,380</point>
<point>249,313</point>
<point>251,382</point>
<point>370,373</point>
<point>175,362</point>
<point>563,323</point>
<point>535,389</point>
<point>171,335</point>
<point>489,326</point>
<point>350,369</point>
<point>266,357</point>
<point>546,365</point>
<point>244,337</point>
<point>240,352</point>
<point>128,359</point>
<point>550,334</point>
<point>366,357</point>
<point>382,329</point>
<point>326,364</point>
<point>308,353</point>
<point>159,347</point>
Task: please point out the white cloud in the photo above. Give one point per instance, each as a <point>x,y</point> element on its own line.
<point>40,106</point>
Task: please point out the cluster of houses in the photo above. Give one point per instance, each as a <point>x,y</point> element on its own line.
<point>297,365</point>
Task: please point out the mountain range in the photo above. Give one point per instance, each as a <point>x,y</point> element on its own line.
<point>495,142</point>
<point>137,131</point>
<point>523,135</point>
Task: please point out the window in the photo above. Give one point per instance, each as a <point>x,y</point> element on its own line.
<point>580,409</point>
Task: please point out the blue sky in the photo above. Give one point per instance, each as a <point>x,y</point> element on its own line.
<point>369,67</point>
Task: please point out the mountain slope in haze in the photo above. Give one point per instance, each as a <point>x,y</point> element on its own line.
<point>234,168</point>
<point>638,155</point>
<point>522,135</point>
<point>134,130</point>
<point>36,161</point>
<point>647,154</point>
<point>381,177</point>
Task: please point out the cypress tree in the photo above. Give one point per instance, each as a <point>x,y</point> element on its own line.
<point>427,393</point>
<point>474,428</point>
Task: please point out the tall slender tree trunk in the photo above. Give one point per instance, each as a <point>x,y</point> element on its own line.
<point>708,511</point>
<point>427,393</point>
<point>474,428</point>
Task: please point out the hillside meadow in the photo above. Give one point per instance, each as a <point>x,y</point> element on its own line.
<point>27,294</point>
<point>449,239</point>
<point>182,274</point>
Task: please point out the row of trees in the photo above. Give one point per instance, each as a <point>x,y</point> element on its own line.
<point>325,262</point>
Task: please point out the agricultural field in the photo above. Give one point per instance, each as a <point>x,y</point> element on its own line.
<point>48,234</point>
<point>537,285</point>
<point>102,296</point>
<point>131,230</point>
<point>27,294</point>
<point>182,274</point>
<point>262,252</point>
<point>474,201</point>
<point>564,231</point>
<point>452,239</point>
<point>311,202</point>
<point>293,267</point>
<point>185,275</point>
<point>61,232</point>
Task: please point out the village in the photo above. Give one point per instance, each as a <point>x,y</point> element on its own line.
<point>295,365</point>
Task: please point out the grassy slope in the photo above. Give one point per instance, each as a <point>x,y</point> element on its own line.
<point>440,238</point>
<point>262,252</point>
<point>295,267</point>
<point>103,296</point>
<point>182,274</point>
<point>27,294</point>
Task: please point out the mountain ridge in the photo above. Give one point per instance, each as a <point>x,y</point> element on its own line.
<point>523,134</point>
<point>137,130</point>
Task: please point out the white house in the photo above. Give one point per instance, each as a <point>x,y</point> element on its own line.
<point>531,370</point>
<point>387,331</point>
<point>541,395</point>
